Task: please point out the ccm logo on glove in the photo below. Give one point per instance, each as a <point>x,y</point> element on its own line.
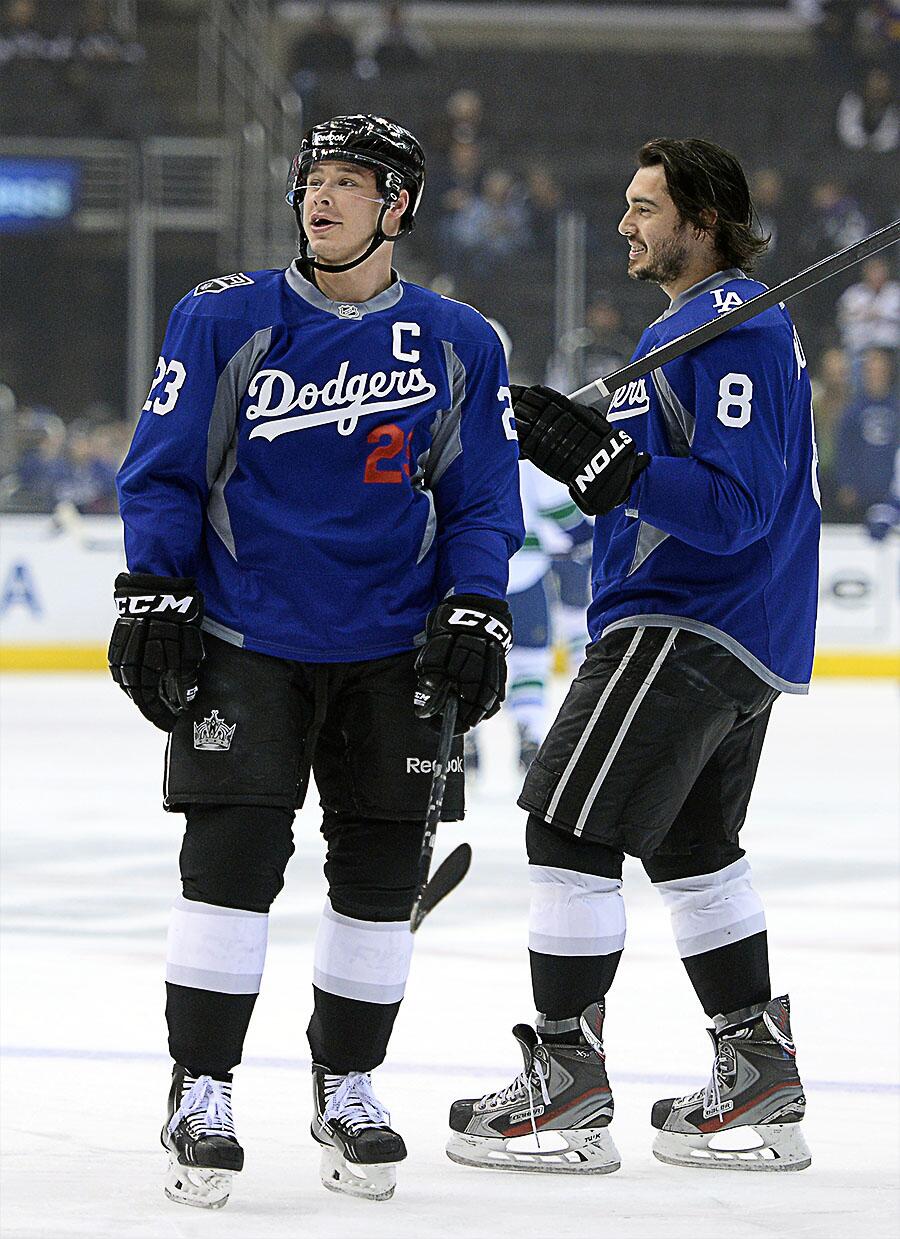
<point>490,625</point>
<point>146,604</point>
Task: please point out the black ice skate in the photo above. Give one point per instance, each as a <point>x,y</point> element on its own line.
<point>553,1117</point>
<point>360,1151</point>
<point>200,1139</point>
<point>748,1116</point>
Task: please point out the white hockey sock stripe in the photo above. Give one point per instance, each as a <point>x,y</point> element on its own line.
<point>713,909</point>
<point>366,960</point>
<point>574,913</point>
<point>218,949</point>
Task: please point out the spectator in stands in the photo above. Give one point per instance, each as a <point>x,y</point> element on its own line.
<point>832,219</point>
<point>40,467</point>
<point>868,437</point>
<point>835,33</point>
<point>593,351</point>
<point>105,74</point>
<point>883,518</point>
<point>88,480</point>
<point>54,463</point>
<point>392,44</point>
<point>462,120</point>
<point>868,313</point>
<point>460,174</point>
<point>836,218</point>
<point>455,181</point>
<point>831,395</point>
<point>544,200</point>
<point>20,31</point>
<point>33,99</point>
<point>325,47</point>
<point>489,228</point>
<point>868,119</point>
<point>767,190</point>
<point>608,347</point>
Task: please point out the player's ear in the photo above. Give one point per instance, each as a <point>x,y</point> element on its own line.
<point>708,219</point>
<point>394,213</point>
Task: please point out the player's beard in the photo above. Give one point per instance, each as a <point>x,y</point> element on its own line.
<point>667,263</point>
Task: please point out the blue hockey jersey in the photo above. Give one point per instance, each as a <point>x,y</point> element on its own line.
<point>326,471</point>
<point>720,532</point>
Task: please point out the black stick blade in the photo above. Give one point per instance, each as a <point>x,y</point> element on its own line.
<point>447,877</point>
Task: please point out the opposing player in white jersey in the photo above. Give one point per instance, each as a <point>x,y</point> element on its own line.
<point>703,482</point>
<point>555,530</point>
<point>323,481</point>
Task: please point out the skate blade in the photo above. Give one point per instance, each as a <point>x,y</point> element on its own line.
<point>591,1151</point>
<point>371,1182</point>
<point>197,1186</point>
<point>764,1147</point>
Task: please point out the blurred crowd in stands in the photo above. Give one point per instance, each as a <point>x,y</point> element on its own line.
<point>49,461</point>
<point>66,70</point>
<point>497,186</point>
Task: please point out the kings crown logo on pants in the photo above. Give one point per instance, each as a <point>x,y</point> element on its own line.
<point>213,734</point>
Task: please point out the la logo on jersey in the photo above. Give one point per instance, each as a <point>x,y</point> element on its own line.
<point>725,301</point>
<point>222,283</point>
<point>343,399</point>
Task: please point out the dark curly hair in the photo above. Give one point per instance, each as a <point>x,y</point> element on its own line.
<point>702,178</point>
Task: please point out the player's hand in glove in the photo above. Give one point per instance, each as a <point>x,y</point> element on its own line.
<point>156,646</point>
<point>467,639</point>
<point>577,446</point>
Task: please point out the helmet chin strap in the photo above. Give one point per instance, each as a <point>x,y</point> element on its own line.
<point>378,238</point>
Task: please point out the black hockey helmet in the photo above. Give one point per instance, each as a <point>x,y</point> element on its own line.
<point>392,152</point>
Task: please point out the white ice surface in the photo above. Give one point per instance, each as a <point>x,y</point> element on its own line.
<point>90,867</point>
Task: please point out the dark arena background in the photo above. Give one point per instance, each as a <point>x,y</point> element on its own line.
<point>144,148</point>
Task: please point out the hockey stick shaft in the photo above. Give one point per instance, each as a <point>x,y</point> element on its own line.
<point>435,804</point>
<point>808,278</point>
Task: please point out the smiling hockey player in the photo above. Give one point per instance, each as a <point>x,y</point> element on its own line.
<point>703,482</point>
<point>323,478</point>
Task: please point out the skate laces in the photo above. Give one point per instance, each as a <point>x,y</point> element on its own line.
<point>711,1093</point>
<point>353,1103</point>
<point>206,1109</point>
<point>521,1086</point>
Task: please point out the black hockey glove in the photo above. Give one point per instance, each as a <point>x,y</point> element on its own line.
<point>577,446</point>
<point>156,646</point>
<point>467,639</point>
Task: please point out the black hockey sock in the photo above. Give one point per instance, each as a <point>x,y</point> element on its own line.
<point>731,977</point>
<point>346,1034</point>
<point>207,1029</point>
<point>564,985</point>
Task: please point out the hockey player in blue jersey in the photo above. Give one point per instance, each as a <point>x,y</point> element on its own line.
<point>702,477</point>
<point>320,502</point>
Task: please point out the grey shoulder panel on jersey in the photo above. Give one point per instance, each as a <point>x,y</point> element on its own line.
<point>648,539</point>
<point>446,443</point>
<point>221,443</point>
<point>680,422</point>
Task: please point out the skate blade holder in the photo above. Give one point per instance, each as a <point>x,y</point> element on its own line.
<point>372,1182</point>
<point>546,1148</point>
<point>783,1147</point>
<point>551,1151</point>
<point>198,1186</point>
